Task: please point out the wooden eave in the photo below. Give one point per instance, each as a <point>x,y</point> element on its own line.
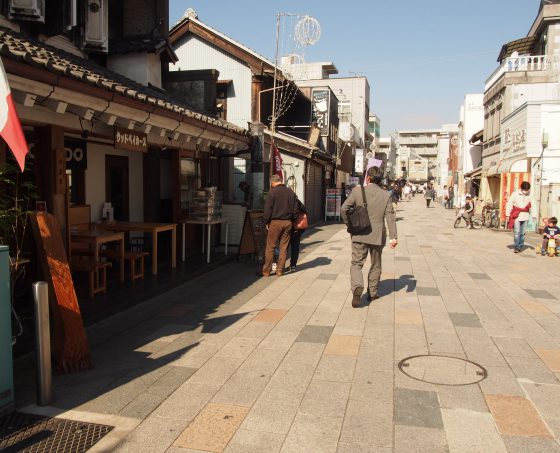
<point>42,75</point>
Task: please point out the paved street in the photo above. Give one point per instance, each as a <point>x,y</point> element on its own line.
<point>230,363</point>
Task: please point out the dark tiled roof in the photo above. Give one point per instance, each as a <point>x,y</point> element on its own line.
<point>521,46</point>
<point>141,43</point>
<point>59,62</point>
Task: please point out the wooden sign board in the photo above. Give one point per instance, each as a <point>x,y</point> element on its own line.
<point>131,140</point>
<point>253,236</point>
<point>70,346</point>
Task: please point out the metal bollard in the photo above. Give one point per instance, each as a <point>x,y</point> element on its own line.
<point>43,344</point>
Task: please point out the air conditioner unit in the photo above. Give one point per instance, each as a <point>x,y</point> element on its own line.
<point>29,10</point>
<point>96,30</point>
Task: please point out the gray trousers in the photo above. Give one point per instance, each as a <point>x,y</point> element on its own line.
<point>359,255</point>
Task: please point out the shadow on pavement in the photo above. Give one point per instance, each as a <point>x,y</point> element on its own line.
<point>321,261</point>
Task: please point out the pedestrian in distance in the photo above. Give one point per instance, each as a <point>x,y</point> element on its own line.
<point>445,197</point>
<point>519,209</point>
<point>451,197</point>
<point>433,194</point>
<point>297,231</point>
<point>372,240</point>
<point>279,213</point>
<point>469,211</point>
<point>394,196</point>
<point>428,196</point>
<point>406,191</point>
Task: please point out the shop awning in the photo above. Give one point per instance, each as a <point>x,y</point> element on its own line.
<point>477,172</point>
<point>513,165</point>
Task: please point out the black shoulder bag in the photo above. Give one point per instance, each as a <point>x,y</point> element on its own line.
<point>358,218</point>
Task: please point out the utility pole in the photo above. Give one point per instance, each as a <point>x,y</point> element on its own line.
<point>273,120</point>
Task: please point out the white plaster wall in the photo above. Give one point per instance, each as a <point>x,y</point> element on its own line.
<point>141,67</point>
<point>95,180</point>
<point>296,167</point>
<point>473,121</point>
<point>194,53</point>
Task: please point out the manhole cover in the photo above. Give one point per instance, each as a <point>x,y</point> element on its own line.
<point>21,432</point>
<point>442,370</point>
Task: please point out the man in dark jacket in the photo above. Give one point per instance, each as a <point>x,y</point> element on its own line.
<point>279,212</point>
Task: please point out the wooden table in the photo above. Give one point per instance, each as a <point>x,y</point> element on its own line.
<point>153,229</point>
<point>94,239</point>
<point>209,235</point>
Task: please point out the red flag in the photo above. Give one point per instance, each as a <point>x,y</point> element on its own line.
<point>276,162</point>
<point>10,127</point>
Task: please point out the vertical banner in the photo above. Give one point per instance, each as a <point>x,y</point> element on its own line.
<point>276,161</point>
<point>320,109</point>
<point>359,161</point>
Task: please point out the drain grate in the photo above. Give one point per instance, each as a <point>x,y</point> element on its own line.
<point>443,370</point>
<point>20,432</point>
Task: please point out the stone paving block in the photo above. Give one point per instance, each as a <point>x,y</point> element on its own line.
<point>426,290</point>
<point>213,428</point>
<point>337,368</point>
<point>469,431</point>
<point>325,398</point>
<point>346,447</point>
<point>154,435</point>
<point>315,334</point>
<point>533,307</point>
<point>514,347</point>
<point>368,423</point>
<point>245,441</point>
<point>439,343</point>
<point>238,347</point>
<point>177,310</point>
<point>551,358</point>
<point>313,433</point>
<point>530,445</point>
<point>540,294</point>
<point>413,317</point>
<point>479,276</point>
<point>467,397</point>
<point>546,398</point>
<point>420,440</point>
<point>216,371</point>
<point>327,277</point>
<point>272,315</point>
<point>417,408</point>
<point>169,332</point>
<point>501,381</point>
<point>370,384</point>
<point>532,369</point>
<point>465,320</point>
<point>343,345</point>
<point>516,416</point>
<point>272,417</point>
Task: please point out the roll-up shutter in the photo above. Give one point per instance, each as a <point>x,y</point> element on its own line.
<point>314,192</point>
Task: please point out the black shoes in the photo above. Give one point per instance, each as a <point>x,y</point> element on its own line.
<point>357,296</point>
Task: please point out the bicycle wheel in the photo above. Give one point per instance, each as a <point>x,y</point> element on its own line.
<point>457,222</point>
<point>487,220</point>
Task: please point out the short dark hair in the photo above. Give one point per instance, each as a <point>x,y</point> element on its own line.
<point>525,185</point>
<point>375,175</point>
<point>553,220</point>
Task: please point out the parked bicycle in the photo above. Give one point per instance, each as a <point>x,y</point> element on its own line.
<point>476,220</point>
<point>492,218</point>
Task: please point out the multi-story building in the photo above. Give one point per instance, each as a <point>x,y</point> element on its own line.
<point>387,151</point>
<point>520,139</point>
<point>418,151</point>
<point>470,160</point>
<point>353,109</point>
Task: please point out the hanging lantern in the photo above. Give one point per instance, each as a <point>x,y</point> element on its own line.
<point>308,31</point>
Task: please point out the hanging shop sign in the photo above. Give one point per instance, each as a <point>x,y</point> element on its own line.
<point>76,153</point>
<point>359,161</point>
<point>320,109</point>
<point>131,140</point>
<point>514,140</point>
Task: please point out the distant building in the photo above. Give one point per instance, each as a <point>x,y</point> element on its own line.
<point>418,151</point>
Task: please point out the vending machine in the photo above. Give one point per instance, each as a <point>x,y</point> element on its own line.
<point>6,361</point>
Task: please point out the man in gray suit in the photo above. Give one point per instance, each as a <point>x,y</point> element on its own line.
<point>379,209</point>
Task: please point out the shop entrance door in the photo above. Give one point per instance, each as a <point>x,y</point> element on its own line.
<point>116,185</point>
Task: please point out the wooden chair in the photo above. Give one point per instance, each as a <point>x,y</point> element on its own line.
<point>131,256</point>
<point>97,274</point>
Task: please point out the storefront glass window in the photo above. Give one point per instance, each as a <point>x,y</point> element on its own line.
<point>190,180</point>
